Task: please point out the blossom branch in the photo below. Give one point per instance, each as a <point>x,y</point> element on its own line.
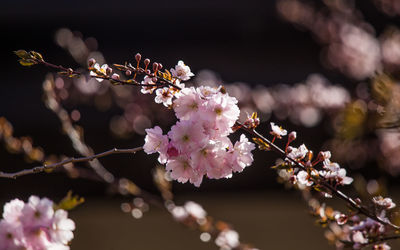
<point>33,58</point>
<point>321,180</point>
<point>198,146</point>
<point>273,146</point>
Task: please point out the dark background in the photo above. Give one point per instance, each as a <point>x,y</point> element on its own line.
<point>241,40</point>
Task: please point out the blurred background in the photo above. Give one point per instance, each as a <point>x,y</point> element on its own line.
<point>326,69</point>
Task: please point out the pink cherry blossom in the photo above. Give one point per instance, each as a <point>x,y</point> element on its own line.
<point>335,173</point>
<point>182,71</point>
<point>198,143</point>
<point>11,235</point>
<point>187,136</point>
<point>181,170</point>
<point>35,226</point>
<point>223,112</point>
<point>37,212</point>
<point>241,154</point>
<point>155,142</point>
<point>304,179</point>
<point>297,154</point>
<point>386,203</point>
<point>101,70</point>
<point>358,237</point>
<point>277,131</point>
<point>62,227</point>
<point>188,104</point>
<point>148,89</point>
<point>164,96</point>
<point>13,211</point>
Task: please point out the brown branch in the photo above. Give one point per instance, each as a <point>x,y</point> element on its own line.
<point>75,136</point>
<point>43,168</point>
<point>132,81</point>
<point>361,209</point>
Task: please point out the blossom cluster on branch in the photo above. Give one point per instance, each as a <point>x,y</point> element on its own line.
<point>198,145</point>
<point>35,225</point>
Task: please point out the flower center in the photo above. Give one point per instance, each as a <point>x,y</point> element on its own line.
<point>185,138</point>
<point>37,214</point>
<point>9,236</point>
<point>193,106</point>
<point>218,111</point>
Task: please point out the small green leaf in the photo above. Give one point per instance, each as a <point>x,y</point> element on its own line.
<point>283,165</point>
<point>120,67</point>
<point>69,202</point>
<point>22,54</point>
<point>63,73</point>
<point>36,55</point>
<point>261,144</point>
<point>26,62</point>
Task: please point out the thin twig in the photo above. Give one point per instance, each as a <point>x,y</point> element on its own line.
<point>43,168</point>
<point>116,81</point>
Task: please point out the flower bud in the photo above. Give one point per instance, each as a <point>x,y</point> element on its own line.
<point>292,136</point>
<point>146,61</point>
<point>325,155</point>
<point>155,66</point>
<point>128,72</point>
<point>108,71</point>
<point>91,62</point>
<point>160,66</point>
<point>115,76</point>
<point>138,56</point>
<point>341,219</point>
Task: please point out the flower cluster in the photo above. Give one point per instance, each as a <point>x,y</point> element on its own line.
<point>198,143</point>
<point>350,231</point>
<point>331,171</point>
<point>384,203</point>
<point>304,103</point>
<point>165,95</point>
<point>35,225</point>
<point>306,176</point>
